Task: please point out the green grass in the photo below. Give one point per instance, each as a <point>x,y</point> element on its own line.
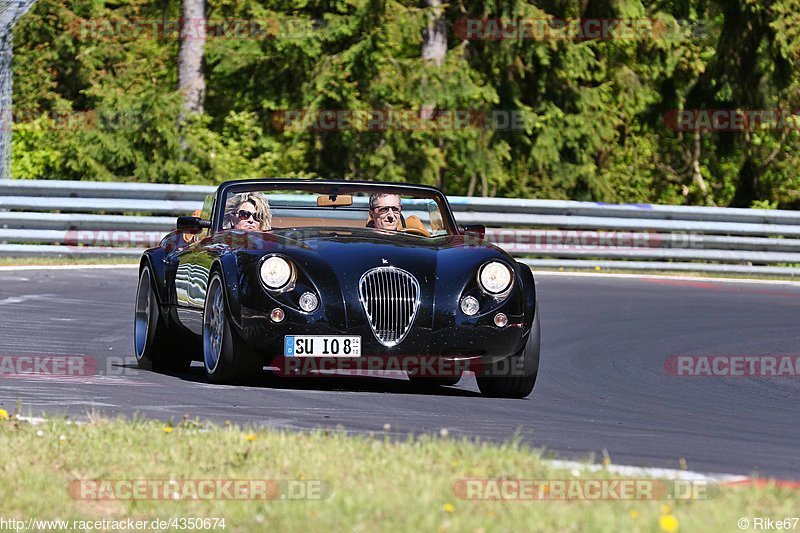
<point>377,484</point>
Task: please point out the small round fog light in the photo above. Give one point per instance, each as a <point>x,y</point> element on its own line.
<point>469,305</point>
<point>308,302</point>
<point>276,315</point>
<point>500,320</point>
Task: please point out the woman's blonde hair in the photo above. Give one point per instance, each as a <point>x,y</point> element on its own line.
<point>263,212</point>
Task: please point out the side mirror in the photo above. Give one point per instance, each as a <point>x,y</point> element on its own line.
<point>475,230</point>
<point>192,224</point>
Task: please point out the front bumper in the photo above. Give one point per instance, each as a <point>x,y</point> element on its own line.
<point>478,338</point>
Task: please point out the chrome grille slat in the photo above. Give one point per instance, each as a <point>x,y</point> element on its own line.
<point>387,305</point>
<point>395,315</point>
<point>405,292</point>
<point>384,304</point>
<point>387,290</point>
<point>390,297</point>
<point>399,308</point>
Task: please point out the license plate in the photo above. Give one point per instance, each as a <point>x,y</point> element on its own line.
<point>321,346</point>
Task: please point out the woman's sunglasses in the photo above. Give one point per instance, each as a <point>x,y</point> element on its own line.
<point>244,214</point>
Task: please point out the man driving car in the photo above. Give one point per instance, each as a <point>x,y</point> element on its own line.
<point>384,211</point>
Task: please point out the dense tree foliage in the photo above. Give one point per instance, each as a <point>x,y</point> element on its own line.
<point>93,101</point>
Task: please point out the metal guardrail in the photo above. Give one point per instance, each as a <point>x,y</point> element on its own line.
<point>196,193</point>
<point>81,218</point>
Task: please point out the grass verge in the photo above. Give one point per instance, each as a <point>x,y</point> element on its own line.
<point>374,483</point>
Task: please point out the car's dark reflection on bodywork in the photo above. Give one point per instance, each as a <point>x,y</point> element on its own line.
<point>202,292</point>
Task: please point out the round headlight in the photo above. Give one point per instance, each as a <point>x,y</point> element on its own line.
<point>308,301</point>
<point>495,277</point>
<point>469,305</point>
<point>276,272</point>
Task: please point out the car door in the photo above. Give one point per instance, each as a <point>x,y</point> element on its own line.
<point>192,270</point>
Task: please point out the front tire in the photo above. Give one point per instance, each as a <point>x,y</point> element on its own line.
<point>152,344</point>
<point>515,376</point>
<point>225,357</point>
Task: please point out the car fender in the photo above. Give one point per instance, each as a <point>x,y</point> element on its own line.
<point>154,259</point>
<point>228,268</point>
<point>529,288</point>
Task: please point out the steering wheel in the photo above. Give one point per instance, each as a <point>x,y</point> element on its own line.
<point>415,231</point>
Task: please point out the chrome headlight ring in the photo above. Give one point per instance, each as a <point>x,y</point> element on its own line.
<point>277,273</point>
<point>495,279</point>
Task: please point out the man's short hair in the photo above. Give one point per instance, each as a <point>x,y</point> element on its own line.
<point>374,198</point>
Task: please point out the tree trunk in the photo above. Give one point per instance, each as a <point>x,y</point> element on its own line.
<point>434,37</point>
<point>473,181</point>
<point>434,45</point>
<point>191,80</point>
<point>434,50</point>
<point>697,175</point>
<point>747,189</point>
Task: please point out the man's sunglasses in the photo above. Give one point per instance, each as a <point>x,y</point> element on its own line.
<point>382,210</point>
<point>244,214</point>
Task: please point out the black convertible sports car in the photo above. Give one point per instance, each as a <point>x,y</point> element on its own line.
<point>282,273</point>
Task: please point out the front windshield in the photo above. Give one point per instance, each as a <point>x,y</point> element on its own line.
<point>382,209</point>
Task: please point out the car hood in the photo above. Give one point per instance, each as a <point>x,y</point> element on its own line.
<point>359,249</point>
<point>334,260</point>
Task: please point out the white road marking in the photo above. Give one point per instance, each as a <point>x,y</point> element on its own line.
<point>78,380</point>
<point>32,420</point>
<point>658,473</point>
<point>538,273</point>
<point>25,297</point>
<point>66,267</point>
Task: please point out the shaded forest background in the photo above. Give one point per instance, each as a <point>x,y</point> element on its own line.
<point>594,110</point>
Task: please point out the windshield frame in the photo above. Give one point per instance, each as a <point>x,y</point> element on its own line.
<point>332,187</point>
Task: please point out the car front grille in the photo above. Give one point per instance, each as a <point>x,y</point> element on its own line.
<point>390,297</point>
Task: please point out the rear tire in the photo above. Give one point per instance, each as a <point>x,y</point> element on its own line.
<point>515,376</point>
<point>153,346</point>
<point>225,357</point>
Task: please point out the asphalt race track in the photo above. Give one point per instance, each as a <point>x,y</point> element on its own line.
<point>602,382</point>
